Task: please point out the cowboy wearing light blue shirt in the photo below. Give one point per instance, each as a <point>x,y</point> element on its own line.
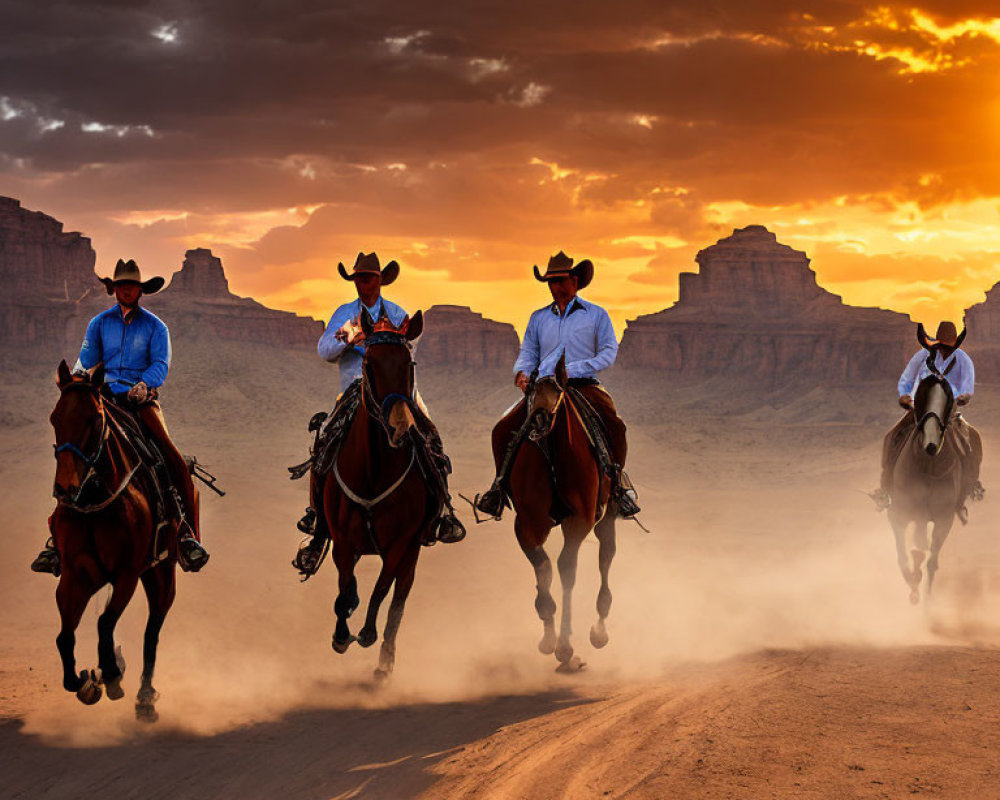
<point>955,366</point>
<point>581,331</point>
<point>343,343</point>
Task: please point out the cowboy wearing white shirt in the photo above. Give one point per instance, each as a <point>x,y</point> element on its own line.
<point>956,367</point>
<point>581,331</point>
<point>343,343</point>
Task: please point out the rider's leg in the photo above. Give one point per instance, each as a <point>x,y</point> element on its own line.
<point>48,559</point>
<point>971,463</point>
<point>492,500</point>
<point>448,527</point>
<point>891,446</point>
<point>191,555</point>
<point>623,492</point>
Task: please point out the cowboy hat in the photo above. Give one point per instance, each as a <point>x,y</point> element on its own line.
<point>946,338</point>
<point>368,265</point>
<point>128,272</point>
<point>561,266</point>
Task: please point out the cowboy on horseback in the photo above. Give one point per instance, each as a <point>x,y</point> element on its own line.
<point>343,343</point>
<point>134,347</point>
<point>580,332</point>
<point>940,356</point>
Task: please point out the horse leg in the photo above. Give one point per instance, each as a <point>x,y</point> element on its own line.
<point>567,577</point>
<point>605,532</point>
<point>368,634</point>
<point>72,596</point>
<point>545,604</point>
<point>899,527</point>
<point>347,597</point>
<point>942,527</point>
<point>404,582</point>
<point>160,585</point>
<point>108,661</point>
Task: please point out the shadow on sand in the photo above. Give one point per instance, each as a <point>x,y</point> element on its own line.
<point>313,755</point>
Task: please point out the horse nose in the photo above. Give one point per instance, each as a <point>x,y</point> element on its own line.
<point>931,448</point>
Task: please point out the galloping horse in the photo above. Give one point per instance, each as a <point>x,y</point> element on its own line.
<point>557,473</point>
<point>927,482</point>
<point>106,531</point>
<point>378,500</point>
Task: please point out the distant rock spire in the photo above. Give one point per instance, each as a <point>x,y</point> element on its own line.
<point>201,275</point>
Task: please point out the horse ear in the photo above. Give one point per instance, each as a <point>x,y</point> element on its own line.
<point>97,375</point>
<point>960,339</point>
<point>367,325</point>
<point>63,375</point>
<point>561,376</point>
<point>415,327</point>
<point>922,337</point>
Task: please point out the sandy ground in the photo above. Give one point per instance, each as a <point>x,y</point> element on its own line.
<point>762,644</point>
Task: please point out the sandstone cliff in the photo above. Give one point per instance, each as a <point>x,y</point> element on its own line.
<point>982,340</point>
<point>754,310</point>
<point>456,336</point>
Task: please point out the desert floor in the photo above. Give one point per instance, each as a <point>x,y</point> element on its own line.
<point>762,642</point>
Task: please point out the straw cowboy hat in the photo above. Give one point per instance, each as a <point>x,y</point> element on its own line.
<point>368,265</point>
<point>561,266</point>
<point>128,272</point>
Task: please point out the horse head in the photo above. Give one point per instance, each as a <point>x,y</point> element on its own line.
<point>80,429</point>
<point>389,373</point>
<point>544,397</point>
<point>932,406</point>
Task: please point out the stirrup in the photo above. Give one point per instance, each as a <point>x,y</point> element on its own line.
<point>626,500</point>
<point>190,554</point>
<point>48,560</point>
<point>450,529</point>
<point>308,522</point>
<point>490,502</point>
<point>310,555</point>
<point>881,499</point>
<point>977,491</point>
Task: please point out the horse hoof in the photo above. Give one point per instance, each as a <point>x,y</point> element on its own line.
<point>573,664</point>
<point>382,676</point>
<point>90,692</point>
<point>598,636</point>
<point>114,688</point>
<point>547,646</point>
<point>367,638</point>
<point>564,652</point>
<point>341,646</point>
<point>146,712</point>
<point>914,597</point>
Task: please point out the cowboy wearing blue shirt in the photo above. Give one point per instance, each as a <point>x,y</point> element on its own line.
<point>343,343</point>
<point>581,331</point>
<point>134,345</point>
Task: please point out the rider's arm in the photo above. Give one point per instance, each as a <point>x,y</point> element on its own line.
<point>91,351</point>
<point>159,357</point>
<point>527,359</point>
<point>966,379</point>
<point>605,346</point>
<point>908,380</point>
<point>329,347</point>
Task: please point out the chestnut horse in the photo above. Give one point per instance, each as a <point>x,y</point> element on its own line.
<point>556,472</point>
<point>105,530</point>
<point>377,500</point>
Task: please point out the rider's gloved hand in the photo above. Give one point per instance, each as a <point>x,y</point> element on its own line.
<point>138,393</point>
<point>521,381</point>
<point>906,401</point>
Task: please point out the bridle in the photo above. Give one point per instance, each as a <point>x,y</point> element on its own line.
<point>377,408</point>
<point>91,461</point>
<point>540,432</point>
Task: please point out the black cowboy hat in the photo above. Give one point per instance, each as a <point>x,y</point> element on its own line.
<point>946,338</point>
<point>561,266</point>
<point>368,265</point>
<point>128,272</point>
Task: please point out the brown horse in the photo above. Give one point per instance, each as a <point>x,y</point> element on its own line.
<point>555,473</point>
<point>378,500</point>
<point>106,532</point>
<point>926,484</point>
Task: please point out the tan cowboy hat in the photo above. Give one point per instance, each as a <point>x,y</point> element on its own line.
<point>128,272</point>
<point>368,265</point>
<point>561,266</point>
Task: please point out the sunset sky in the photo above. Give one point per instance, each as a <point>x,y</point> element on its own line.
<point>470,140</point>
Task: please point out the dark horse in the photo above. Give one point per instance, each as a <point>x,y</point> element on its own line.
<point>556,472</point>
<point>927,482</point>
<point>106,531</point>
<point>378,500</point>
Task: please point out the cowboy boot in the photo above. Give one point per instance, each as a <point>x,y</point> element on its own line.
<point>191,556</point>
<point>311,549</point>
<point>625,495</point>
<point>449,528</point>
<point>491,502</point>
<point>47,560</point>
